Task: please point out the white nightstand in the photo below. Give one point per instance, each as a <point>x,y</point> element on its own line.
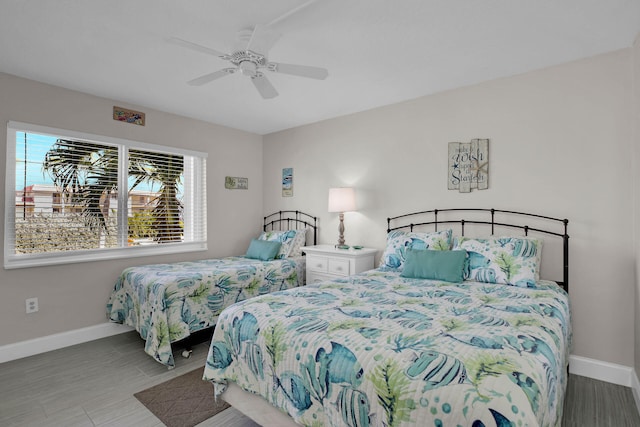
<point>325,262</point>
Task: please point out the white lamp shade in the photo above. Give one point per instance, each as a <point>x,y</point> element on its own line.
<point>342,199</point>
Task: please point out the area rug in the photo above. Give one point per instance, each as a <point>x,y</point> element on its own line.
<point>184,401</point>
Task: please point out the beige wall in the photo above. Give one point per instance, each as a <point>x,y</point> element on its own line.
<point>560,144</point>
<point>74,296</point>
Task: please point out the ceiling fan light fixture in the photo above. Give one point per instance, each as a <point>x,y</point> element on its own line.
<point>248,68</point>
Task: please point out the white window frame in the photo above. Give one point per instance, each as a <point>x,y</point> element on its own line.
<point>194,202</point>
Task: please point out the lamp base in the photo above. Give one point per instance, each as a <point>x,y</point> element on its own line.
<point>341,230</point>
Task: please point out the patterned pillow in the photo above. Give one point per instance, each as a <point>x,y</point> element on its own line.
<point>398,241</point>
<point>509,260</point>
<point>527,249</point>
<point>298,242</point>
<point>292,241</point>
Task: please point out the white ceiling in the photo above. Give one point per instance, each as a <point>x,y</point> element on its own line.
<point>378,52</point>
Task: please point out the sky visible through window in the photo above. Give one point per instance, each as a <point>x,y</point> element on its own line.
<point>37,146</point>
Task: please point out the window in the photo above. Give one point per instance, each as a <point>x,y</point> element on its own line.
<point>74,197</point>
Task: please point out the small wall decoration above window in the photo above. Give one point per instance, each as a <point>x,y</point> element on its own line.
<point>468,165</point>
<point>287,182</point>
<point>236,183</point>
<point>129,116</point>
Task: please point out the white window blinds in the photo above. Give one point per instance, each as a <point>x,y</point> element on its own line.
<point>77,197</point>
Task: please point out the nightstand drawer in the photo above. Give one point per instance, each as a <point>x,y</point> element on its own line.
<point>339,266</point>
<point>317,263</point>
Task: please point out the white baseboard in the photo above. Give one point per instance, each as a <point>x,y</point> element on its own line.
<point>64,339</point>
<point>599,370</point>
<point>609,372</point>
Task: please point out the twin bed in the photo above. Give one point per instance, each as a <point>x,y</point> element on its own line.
<point>447,331</point>
<point>167,303</point>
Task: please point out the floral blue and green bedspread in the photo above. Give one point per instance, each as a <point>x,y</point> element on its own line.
<point>167,302</point>
<point>378,349</point>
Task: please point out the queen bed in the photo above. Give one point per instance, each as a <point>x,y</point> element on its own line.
<point>168,303</point>
<point>447,331</point>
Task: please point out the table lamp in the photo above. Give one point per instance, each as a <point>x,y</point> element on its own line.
<point>342,200</point>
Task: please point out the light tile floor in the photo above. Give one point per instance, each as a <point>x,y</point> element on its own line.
<point>92,384</point>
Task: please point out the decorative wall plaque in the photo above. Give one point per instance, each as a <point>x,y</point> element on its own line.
<point>236,183</point>
<point>468,165</point>
<point>128,116</point>
<point>287,182</point>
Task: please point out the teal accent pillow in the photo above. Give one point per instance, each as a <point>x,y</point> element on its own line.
<point>264,250</point>
<point>434,265</point>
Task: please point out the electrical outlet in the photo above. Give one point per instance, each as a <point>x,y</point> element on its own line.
<point>32,305</point>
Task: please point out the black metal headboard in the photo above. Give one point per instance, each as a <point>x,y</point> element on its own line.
<point>479,216</point>
<point>291,220</point>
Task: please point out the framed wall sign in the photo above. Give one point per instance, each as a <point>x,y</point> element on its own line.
<point>128,116</point>
<point>287,182</point>
<point>236,183</point>
<point>468,165</point>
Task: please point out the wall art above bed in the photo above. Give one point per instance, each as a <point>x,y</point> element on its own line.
<point>468,165</point>
<point>287,182</point>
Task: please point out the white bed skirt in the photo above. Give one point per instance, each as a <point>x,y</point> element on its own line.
<point>255,407</point>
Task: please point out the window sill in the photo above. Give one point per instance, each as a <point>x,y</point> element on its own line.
<point>39,260</point>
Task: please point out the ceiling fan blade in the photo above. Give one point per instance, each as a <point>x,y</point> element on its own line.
<point>211,77</point>
<point>299,70</point>
<point>262,39</point>
<point>196,47</point>
<point>264,86</point>
<point>291,12</point>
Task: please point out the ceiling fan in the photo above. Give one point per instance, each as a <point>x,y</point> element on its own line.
<point>250,59</point>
